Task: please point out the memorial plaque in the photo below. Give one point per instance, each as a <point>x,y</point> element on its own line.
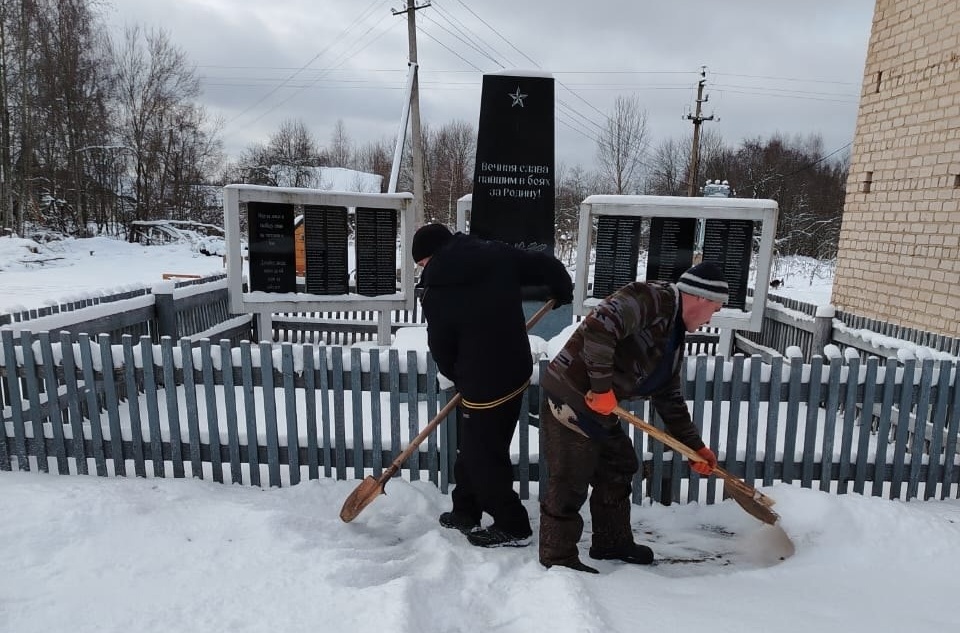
<point>513,182</point>
<point>325,241</point>
<point>376,245</point>
<point>671,248</point>
<point>730,244</point>
<point>617,253</point>
<point>273,266</point>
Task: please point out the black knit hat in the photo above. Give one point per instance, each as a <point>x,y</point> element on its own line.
<point>428,239</point>
<point>705,280</point>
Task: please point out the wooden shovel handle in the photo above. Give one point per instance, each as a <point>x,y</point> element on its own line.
<point>657,434</point>
<point>418,440</point>
<point>690,454</point>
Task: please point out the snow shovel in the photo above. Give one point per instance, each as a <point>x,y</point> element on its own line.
<point>750,499</point>
<point>371,488</point>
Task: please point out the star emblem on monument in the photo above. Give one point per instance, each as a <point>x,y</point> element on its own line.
<point>517,97</point>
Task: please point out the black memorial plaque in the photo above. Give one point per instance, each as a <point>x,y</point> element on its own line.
<point>617,253</point>
<point>671,248</point>
<point>730,244</point>
<point>325,245</point>
<point>376,251</point>
<point>513,182</point>
<point>273,266</point>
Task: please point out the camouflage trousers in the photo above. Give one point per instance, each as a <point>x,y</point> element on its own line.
<point>576,462</point>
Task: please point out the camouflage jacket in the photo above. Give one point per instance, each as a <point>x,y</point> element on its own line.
<point>618,346</point>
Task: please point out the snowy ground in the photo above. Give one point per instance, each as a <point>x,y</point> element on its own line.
<point>88,554</point>
<point>60,272</point>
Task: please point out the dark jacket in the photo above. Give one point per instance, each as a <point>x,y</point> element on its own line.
<point>473,306</point>
<point>619,346</point>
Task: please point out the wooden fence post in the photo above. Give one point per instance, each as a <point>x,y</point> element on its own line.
<point>165,310</point>
<point>822,330</point>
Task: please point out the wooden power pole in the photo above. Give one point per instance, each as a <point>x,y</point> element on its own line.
<point>417,146</point>
<point>697,121</point>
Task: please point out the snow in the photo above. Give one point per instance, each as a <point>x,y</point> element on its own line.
<point>97,554</point>
<point>79,269</point>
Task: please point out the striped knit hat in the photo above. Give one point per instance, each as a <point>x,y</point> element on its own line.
<point>705,280</point>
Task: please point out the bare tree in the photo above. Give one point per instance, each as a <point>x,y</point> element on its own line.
<point>7,217</point>
<point>667,167</point>
<point>808,187</point>
<point>622,146</point>
<point>340,152</point>
<point>155,87</point>
<point>294,147</point>
<point>449,154</point>
<point>376,157</point>
<point>573,185</point>
<point>72,91</point>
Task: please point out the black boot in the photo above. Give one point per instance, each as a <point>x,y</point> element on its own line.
<point>633,553</point>
<point>495,537</point>
<point>458,521</point>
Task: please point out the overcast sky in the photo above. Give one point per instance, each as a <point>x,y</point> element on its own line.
<point>772,66</point>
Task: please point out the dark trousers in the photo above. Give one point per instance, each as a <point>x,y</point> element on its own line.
<point>575,462</point>
<point>483,471</point>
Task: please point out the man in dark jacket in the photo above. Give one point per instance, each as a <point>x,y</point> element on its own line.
<point>631,345</point>
<point>477,335</point>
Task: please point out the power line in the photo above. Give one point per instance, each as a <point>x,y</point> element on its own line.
<point>497,33</point>
<point>344,57</point>
<point>363,16</point>
<point>467,33</point>
<point>452,52</point>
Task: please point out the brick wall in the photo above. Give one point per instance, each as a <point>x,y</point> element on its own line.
<point>899,255</point>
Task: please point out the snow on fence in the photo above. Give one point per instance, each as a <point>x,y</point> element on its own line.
<point>811,328</point>
<point>276,413</point>
<point>196,308</point>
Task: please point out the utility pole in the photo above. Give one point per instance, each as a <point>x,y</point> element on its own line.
<point>697,121</point>
<point>417,149</point>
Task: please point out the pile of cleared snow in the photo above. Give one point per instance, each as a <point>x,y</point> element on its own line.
<point>17,253</point>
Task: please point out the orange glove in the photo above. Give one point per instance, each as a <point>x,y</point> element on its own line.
<point>603,403</point>
<point>705,467</point>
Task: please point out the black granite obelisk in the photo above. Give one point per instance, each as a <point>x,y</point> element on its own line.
<point>513,182</point>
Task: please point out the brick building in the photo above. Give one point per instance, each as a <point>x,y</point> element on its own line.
<point>899,251</point>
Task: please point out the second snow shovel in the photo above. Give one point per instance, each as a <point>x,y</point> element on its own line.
<point>750,499</point>
<point>371,488</point>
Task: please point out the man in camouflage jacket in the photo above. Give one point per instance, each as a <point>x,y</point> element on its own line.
<point>631,345</point>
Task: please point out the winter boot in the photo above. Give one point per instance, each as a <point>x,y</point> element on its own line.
<point>495,537</point>
<point>633,553</point>
<point>458,521</point>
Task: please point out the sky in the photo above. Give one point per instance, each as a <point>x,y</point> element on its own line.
<point>771,67</point>
<point>104,555</point>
